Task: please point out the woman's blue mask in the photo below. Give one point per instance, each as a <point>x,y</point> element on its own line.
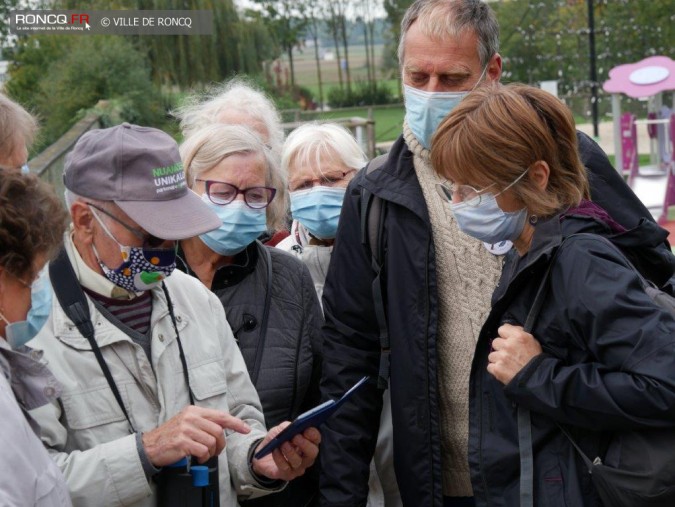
<point>487,222</point>
<point>41,301</point>
<point>424,111</point>
<point>240,226</point>
<point>318,209</point>
<point>21,332</point>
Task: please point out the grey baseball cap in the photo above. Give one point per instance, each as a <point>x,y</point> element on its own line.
<point>139,168</point>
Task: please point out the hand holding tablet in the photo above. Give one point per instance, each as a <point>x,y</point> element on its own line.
<point>313,418</point>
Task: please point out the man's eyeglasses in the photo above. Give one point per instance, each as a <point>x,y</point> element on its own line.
<point>325,180</point>
<point>221,194</point>
<point>149,241</point>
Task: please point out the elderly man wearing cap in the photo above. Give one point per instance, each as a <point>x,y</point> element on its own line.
<point>152,374</point>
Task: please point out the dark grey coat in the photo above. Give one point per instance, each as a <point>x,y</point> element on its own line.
<point>285,363</point>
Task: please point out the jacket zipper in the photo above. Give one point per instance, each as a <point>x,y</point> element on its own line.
<point>426,352</point>
<point>295,379</point>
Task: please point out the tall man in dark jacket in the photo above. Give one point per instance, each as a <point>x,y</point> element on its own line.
<point>437,282</point>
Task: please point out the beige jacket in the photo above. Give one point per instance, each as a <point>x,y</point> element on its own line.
<point>87,433</point>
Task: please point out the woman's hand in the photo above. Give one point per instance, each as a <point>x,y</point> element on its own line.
<point>511,351</point>
<point>291,459</point>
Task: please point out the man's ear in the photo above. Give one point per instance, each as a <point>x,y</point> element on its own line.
<point>539,174</point>
<point>494,68</point>
<point>83,222</point>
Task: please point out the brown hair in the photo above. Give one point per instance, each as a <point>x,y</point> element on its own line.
<point>498,131</point>
<point>32,221</point>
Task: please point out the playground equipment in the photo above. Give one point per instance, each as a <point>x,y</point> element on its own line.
<point>655,182</point>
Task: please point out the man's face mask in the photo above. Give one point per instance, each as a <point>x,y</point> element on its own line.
<point>425,110</point>
<point>142,268</point>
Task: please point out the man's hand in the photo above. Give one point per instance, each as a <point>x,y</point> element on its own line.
<point>292,458</point>
<point>194,431</point>
<point>511,351</point>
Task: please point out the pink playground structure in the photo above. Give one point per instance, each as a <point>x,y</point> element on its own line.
<point>654,183</point>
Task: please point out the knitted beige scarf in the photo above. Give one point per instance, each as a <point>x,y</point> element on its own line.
<point>466,275</point>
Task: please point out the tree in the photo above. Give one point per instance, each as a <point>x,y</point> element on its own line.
<point>313,26</point>
<point>395,10</point>
<point>549,40</point>
<point>366,9</point>
<point>235,46</point>
<point>286,22</point>
<point>338,12</point>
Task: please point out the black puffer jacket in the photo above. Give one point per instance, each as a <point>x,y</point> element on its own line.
<point>285,364</point>
<point>608,361</point>
<point>351,342</point>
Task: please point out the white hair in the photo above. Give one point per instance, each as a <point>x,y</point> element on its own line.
<point>307,143</point>
<point>207,147</point>
<point>239,96</point>
<point>71,198</point>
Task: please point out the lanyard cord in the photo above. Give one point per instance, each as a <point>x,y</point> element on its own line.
<point>180,345</point>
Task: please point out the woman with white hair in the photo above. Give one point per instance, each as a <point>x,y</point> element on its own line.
<point>236,102</point>
<point>320,160</point>
<point>268,295</point>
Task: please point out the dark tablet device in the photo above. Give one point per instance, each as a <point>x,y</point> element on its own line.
<point>314,417</point>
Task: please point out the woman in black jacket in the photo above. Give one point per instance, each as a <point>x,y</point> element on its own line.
<point>268,295</point>
<point>601,356</point>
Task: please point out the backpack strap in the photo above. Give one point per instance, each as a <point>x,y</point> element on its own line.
<point>524,421</point>
<point>373,213</point>
<point>73,301</point>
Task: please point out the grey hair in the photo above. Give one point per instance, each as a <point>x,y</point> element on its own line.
<point>207,147</point>
<point>71,198</point>
<point>237,95</point>
<point>306,144</point>
<point>442,18</point>
<point>15,123</point>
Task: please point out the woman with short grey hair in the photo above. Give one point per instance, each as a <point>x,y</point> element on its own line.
<point>268,295</point>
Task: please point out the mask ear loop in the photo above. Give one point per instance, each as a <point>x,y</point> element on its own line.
<point>124,250</point>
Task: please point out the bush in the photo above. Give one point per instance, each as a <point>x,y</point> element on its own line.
<point>361,94</point>
<point>106,68</point>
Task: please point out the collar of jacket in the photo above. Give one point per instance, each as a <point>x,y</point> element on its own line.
<point>396,181</point>
<point>243,264</point>
<point>106,333</point>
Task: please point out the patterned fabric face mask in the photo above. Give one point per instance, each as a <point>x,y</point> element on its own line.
<point>142,268</point>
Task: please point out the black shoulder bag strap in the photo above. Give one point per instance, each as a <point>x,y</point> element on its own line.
<point>72,299</point>
<point>373,213</point>
<point>524,422</point>
<point>260,348</point>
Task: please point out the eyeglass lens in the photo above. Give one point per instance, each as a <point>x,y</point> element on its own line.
<point>223,193</point>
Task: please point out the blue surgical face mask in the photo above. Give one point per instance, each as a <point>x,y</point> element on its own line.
<point>240,226</point>
<point>425,110</point>
<point>41,301</point>
<point>318,209</point>
<point>487,222</point>
<point>18,333</point>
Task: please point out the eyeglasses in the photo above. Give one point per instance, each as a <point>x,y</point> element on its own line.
<point>221,194</point>
<point>325,180</point>
<point>464,193</point>
<point>149,241</point>
<point>468,195</point>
